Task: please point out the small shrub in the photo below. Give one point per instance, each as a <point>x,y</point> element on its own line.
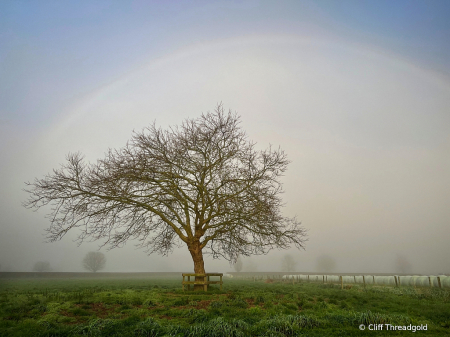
<point>333,301</point>
<point>279,324</point>
<point>181,302</point>
<point>78,312</point>
<point>201,316</point>
<point>344,305</point>
<point>148,328</point>
<point>41,308</point>
<point>97,327</point>
<point>255,311</point>
<point>290,306</point>
<point>231,296</point>
<point>191,312</point>
<point>321,305</point>
<point>259,299</point>
<point>268,305</point>
<point>307,305</point>
<point>239,303</point>
<point>125,307</point>
<point>216,305</point>
<point>218,327</point>
<point>149,303</point>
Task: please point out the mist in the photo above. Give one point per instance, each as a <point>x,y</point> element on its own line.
<point>363,120</point>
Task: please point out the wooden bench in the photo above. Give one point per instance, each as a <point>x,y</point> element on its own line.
<point>205,281</point>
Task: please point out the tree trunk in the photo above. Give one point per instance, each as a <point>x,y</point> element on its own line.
<point>199,265</point>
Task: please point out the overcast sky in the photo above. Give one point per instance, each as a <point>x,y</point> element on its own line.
<point>356,92</point>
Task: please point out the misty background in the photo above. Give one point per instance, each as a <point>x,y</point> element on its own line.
<point>357,93</point>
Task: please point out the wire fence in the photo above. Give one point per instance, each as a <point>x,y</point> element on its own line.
<point>439,281</point>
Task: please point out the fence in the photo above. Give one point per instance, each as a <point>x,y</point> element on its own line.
<point>439,281</point>
<point>395,280</point>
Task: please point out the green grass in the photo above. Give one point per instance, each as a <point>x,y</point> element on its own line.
<point>156,307</point>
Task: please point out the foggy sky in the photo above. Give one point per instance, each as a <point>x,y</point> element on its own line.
<point>356,93</point>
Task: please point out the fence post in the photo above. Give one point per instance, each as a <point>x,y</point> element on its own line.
<point>439,281</point>
<point>342,282</point>
<point>364,281</point>
<point>429,281</point>
<point>396,283</point>
<point>399,283</point>
<point>373,277</point>
<point>354,278</point>
<point>323,278</point>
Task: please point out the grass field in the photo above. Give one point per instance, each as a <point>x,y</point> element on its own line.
<point>158,307</point>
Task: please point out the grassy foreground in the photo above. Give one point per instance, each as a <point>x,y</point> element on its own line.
<point>157,307</point>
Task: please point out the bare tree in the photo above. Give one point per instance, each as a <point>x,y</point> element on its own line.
<point>326,263</point>
<point>94,261</point>
<point>238,265</point>
<point>251,266</point>
<point>201,184</point>
<point>402,265</point>
<point>288,263</point>
<point>42,266</point>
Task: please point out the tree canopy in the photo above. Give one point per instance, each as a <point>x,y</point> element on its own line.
<point>288,263</point>
<point>42,266</point>
<point>238,265</point>
<point>326,263</point>
<point>201,184</point>
<point>94,261</point>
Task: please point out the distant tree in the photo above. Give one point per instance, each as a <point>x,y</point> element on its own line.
<point>42,266</point>
<point>202,184</point>
<point>402,265</point>
<point>326,263</point>
<point>238,265</point>
<point>288,263</point>
<point>251,266</point>
<point>94,261</point>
